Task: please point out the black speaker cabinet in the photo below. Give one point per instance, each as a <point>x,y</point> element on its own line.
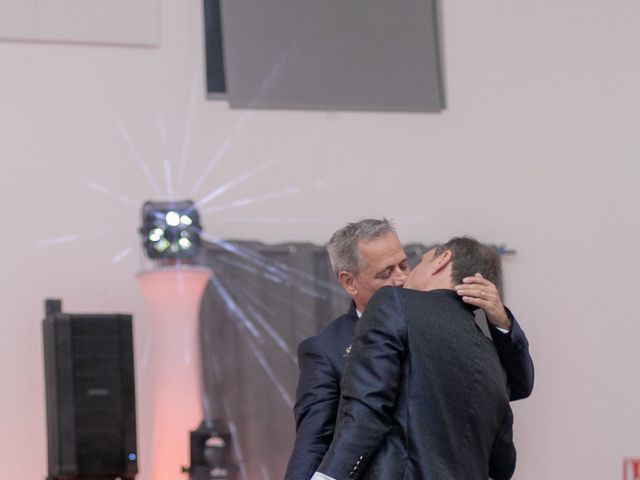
<point>90,395</point>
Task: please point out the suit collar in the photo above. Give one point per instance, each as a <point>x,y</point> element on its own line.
<point>353,315</point>
<point>453,295</point>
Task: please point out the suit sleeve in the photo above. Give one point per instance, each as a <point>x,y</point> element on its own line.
<point>502,462</point>
<point>315,410</point>
<point>513,350</point>
<point>369,387</point>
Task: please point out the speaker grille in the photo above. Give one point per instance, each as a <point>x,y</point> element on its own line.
<point>90,395</point>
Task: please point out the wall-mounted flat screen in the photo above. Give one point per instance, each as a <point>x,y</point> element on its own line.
<point>332,55</point>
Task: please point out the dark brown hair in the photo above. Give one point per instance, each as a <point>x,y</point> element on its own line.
<point>469,256</point>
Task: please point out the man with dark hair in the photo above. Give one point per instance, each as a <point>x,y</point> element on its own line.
<point>365,256</point>
<point>423,393</point>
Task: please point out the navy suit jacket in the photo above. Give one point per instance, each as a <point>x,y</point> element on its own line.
<point>423,395</point>
<point>321,359</point>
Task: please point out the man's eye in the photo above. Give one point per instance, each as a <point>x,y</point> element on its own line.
<point>404,266</point>
<point>386,274</point>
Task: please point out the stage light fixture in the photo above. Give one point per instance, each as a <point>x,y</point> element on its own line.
<point>171,230</point>
<point>210,446</point>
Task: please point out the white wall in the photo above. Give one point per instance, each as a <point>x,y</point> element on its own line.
<point>538,148</point>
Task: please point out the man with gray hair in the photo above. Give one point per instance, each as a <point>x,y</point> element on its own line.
<point>365,256</point>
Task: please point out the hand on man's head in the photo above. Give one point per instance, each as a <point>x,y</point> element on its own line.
<point>480,292</point>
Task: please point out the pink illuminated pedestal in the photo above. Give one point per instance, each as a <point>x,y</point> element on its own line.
<point>173,299</point>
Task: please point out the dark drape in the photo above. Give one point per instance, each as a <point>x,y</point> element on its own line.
<point>262,300</point>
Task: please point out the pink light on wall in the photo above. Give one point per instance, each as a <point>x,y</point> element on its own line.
<point>172,296</point>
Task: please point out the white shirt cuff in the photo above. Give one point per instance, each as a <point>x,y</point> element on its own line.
<point>321,476</point>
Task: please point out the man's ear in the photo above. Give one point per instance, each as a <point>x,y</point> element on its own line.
<point>347,281</point>
<point>440,263</point>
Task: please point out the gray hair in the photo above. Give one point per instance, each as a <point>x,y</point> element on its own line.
<point>343,245</point>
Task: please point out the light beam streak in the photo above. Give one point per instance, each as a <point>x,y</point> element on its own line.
<point>294,190</point>
<point>73,237</point>
<point>277,219</point>
<point>242,253</point>
<point>285,301</point>
<point>122,254</point>
<point>271,277</point>
<point>277,339</point>
<point>254,302</point>
<point>260,198</point>
<point>162,132</point>
<point>224,148</point>
<point>311,293</point>
<point>206,408</point>
<point>286,271</point>
<point>167,179</point>
<point>279,269</point>
<point>138,157</point>
<point>244,118</point>
<point>264,472</point>
<point>239,265</point>
<point>309,278</point>
<point>56,240</point>
<point>102,189</point>
<point>235,440</point>
<point>272,375</point>
<point>232,184</point>
<point>217,375</point>
<point>186,136</point>
<point>235,309</point>
<point>166,166</point>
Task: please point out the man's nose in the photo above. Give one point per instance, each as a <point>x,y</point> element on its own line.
<point>399,277</point>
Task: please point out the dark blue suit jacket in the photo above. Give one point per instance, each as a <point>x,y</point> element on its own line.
<point>423,395</point>
<point>321,359</point>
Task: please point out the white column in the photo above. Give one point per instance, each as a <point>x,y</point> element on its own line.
<point>172,296</point>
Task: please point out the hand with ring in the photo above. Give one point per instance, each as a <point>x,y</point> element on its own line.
<point>483,294</point>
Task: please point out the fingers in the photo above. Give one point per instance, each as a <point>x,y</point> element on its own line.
<point>488,292</point>
<point>478,291</point>
<point>475,292</point>
<point>481,293</point>
<point>477,301</point>
<point>485,297</point>
<point>477,279</point>
<point>477,282</point>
